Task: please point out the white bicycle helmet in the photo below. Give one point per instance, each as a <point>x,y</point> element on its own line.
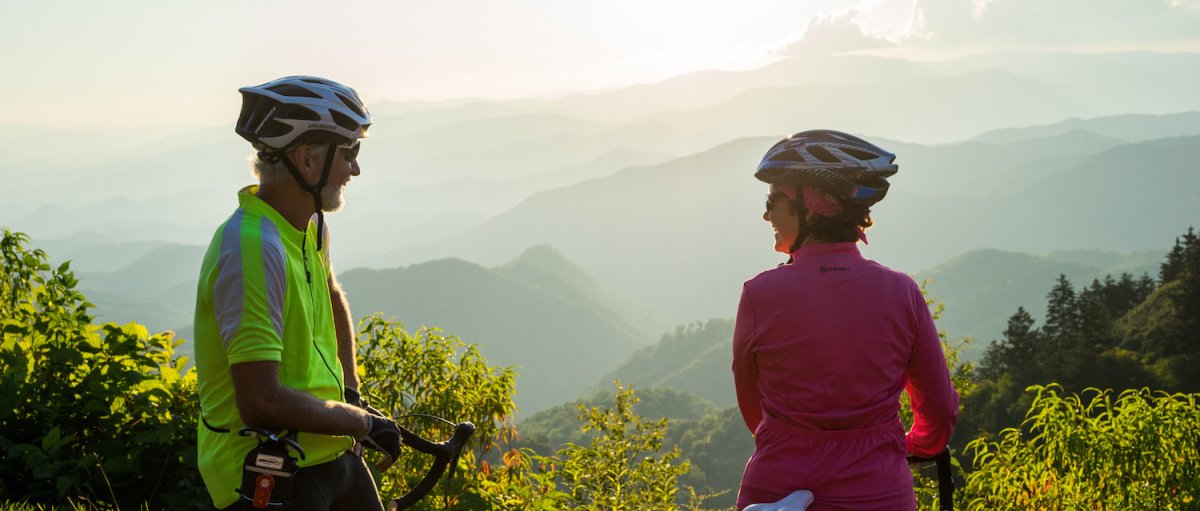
<point>843,164</point>
<point>293,109</point>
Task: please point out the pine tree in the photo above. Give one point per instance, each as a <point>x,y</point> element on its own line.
<point>1188,312</point>
<point>1143,288</point>
<point>1170,268</point>
<point>1060,330</point>
<point>1061,317</point>
<point>1022,344</point>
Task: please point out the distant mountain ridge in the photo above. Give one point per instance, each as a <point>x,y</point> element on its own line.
<point>680,237</point>
<point>1129,127</point>
<point>982,288</point>
<point>538,312</point>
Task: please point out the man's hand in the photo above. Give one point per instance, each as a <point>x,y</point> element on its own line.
<point>384,436</point>
<point>354,398</point>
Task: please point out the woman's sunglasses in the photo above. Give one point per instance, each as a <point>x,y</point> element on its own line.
<point>774,198</point>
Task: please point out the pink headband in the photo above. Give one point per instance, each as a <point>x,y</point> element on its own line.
<point>820,202</point>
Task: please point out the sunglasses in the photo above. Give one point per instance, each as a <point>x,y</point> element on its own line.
<point>351,149</point>
<point>774,198</point>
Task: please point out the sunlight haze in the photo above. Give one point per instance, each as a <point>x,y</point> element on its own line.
<point>607,147</point>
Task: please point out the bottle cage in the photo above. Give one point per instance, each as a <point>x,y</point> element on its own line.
<point>945,481</point>
<point>445,454</point>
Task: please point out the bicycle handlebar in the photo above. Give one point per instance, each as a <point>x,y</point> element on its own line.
<point>445,455</point>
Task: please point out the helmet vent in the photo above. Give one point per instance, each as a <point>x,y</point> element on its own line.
<point>860,154</point>
<point>294,91</point>
<point>343,120</point>
<point>822,154</point>
<point>292,112</point>
<point>352,105</point>
<point>787,156</point>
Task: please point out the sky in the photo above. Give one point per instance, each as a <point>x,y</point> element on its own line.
<point>149,62</point>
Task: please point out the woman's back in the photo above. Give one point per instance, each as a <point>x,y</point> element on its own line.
<point>822,348</point>
<point>831,336</point>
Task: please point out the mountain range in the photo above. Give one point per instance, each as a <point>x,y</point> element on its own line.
<point>538,312</point>
<point>691,229</point>
<point>648,190</point>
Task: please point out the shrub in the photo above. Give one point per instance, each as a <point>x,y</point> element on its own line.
<point>1141,451</point>
<point>104,414</point>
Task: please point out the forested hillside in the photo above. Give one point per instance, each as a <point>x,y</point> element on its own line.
<point>694,358</point>
<point>982,287</point>
<point>1112,333</point>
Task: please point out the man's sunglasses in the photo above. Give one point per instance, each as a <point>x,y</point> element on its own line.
<point>774,198</point>
<point>351,150</point>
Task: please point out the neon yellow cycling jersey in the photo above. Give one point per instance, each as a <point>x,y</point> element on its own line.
<point>263,296</point>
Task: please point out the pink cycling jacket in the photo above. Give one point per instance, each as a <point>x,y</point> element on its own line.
<point>821,350</point>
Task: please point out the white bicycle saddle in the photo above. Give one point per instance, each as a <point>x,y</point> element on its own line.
<point>797,501</point>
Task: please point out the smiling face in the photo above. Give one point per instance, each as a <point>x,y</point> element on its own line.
<point>311,160</point>
<point>784,218</point>
<point>339,175</point>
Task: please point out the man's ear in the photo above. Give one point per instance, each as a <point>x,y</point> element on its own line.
<point>305,159</point>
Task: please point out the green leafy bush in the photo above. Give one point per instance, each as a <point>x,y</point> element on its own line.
<point>622,468</point>
<point>103,414</point>
<point>406,375</point>
<point>1139,451</point>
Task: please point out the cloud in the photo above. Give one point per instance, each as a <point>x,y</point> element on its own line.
<point>1041,23</point>
<point>834,33</point>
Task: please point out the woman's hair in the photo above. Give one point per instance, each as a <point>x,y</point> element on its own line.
<point>841,228</point>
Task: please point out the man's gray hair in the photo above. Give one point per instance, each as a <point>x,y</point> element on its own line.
<point>272,171</point>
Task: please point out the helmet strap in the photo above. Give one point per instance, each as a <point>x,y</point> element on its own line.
<point>804,230</point>
<point>315,190</point>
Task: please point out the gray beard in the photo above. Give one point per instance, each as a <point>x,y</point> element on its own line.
<point>331,199</point>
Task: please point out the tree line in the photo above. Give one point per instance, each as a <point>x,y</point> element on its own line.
<point>1114,333</point>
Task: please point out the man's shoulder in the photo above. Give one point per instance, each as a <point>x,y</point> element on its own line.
<point>248,232</point>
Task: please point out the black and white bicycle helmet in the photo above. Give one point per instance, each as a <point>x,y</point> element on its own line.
<point>279,113</point>
<point>843,164</point>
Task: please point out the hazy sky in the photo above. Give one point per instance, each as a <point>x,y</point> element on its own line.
<point>159,62</point>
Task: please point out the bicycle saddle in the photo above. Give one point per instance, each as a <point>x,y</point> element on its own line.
<point>797,501</point>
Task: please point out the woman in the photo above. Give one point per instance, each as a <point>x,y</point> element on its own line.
<point>825,342</point>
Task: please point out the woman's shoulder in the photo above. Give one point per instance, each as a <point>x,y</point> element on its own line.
<point>769,275</point>
<point>895,277</point>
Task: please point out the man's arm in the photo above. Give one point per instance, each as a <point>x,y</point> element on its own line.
<point>345,334</point>
<point>264,403</point>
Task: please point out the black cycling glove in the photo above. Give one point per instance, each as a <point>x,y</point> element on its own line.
<point>384,437</point>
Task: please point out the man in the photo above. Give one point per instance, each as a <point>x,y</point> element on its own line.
<point>274,340</point>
